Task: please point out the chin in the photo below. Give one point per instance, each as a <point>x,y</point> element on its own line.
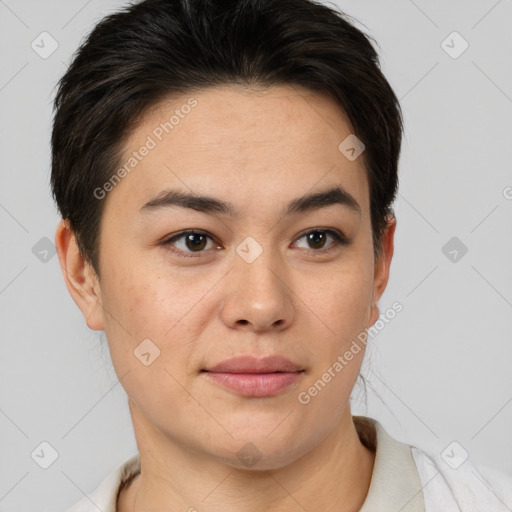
<point>256,451</point>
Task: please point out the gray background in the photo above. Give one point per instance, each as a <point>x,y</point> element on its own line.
<point>440,371</point>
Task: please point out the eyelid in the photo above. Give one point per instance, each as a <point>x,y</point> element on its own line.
<point>187,254</point>
<point>336,232</point>
<point>339,240</point>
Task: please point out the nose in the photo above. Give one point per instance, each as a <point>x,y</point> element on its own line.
<point>257,295</point>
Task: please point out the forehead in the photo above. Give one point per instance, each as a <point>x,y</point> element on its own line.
<point>279,114</point>
<point>255,144</point>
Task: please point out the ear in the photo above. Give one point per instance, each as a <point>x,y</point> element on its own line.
<point>81,279</point>
<point>382,265</point>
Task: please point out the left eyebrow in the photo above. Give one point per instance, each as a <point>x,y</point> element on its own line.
<point>211,205</point>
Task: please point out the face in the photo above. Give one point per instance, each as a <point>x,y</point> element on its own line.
<point>267,271</point>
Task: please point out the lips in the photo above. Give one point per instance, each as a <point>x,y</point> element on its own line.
<point>251,364</point>
<point>251,377</point>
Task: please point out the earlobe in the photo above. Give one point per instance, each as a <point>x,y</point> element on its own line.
<point>80,278</point>
<point>382,265</point>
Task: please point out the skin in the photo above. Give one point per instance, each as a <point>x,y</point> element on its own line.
<point>258,149</point>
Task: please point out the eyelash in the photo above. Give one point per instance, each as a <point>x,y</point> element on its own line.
<point>339,240</point>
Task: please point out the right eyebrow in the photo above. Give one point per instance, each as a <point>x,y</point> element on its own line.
<point>213,205</point>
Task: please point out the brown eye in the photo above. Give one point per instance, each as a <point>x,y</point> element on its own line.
<point>317,240</point>
<point>195,242</point>
<point>189,242</point>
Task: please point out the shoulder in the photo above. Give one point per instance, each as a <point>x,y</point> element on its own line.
<point>104,497</point>
<point>449,481</point>
<point>461,486</point>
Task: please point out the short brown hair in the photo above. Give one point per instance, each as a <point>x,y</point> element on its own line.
<point>157,48</point>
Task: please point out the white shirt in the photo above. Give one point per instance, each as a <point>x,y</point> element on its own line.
<point>404,479</point>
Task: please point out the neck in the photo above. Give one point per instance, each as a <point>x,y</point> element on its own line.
<point>174,478</point>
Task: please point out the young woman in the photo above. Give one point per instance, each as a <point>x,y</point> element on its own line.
<point>225,173</point>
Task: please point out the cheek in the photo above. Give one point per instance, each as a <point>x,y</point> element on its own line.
<point>342,299</point>
<point>343,306</point>
<point>137,296</point>
<point>166,309</point>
